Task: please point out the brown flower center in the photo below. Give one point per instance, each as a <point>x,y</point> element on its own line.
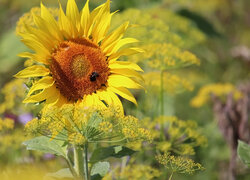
<point>79,68</point>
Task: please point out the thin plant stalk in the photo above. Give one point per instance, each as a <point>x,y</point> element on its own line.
<point>78,159</point>
<point>162,101</point>
<point>86,168</point>
<point>170,177</point>
<point>162,93</point>
<point>71,168</point>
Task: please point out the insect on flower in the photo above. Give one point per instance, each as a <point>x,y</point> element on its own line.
<point>93,76</point>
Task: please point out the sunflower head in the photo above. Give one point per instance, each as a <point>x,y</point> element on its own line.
<point>77,58</point>
<point>79,68</point>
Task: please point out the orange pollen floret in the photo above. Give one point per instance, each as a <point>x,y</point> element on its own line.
<point>79,68</point>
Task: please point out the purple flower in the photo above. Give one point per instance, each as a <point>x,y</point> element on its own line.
<point>48,156</point>
<point>24,118</point>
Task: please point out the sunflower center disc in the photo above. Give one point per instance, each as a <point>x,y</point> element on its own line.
<point>79,68</point>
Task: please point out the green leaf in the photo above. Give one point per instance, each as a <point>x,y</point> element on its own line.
<point>62,173</point>
<point>46,145</point>
<point>99,170</point>
<point>244,152</point>
<point>112,151</point>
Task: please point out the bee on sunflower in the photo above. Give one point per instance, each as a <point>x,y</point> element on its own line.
<point>77,58</point>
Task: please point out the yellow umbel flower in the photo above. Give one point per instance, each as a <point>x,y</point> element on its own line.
<point>173,84</point>
<point>6,124</point>
<point>134,171</point>
<point>178,164</point>
<point>181,136</point>
<point>78,125</point>
<point>218,89</point>
<point>77,59</point>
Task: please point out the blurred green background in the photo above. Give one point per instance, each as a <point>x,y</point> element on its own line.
<point>216,31</point>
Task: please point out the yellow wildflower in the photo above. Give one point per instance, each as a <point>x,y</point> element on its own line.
<point>171,83</point>
<point>134,171</point>
<point>76,57</point>
<point>178,163</point>
<point>218,89</point>
<point>6,124</point>
<point>78,125</point>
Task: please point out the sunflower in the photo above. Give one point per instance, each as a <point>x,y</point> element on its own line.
<point>77,57</point>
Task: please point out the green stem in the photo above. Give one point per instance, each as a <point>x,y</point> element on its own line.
<point>86,169</point>
<point>162,103</point>
<point>162,94</point>
<point>123,164</point>
<point>170,178</point>
<point>71,168</point>
<point>78,159</point>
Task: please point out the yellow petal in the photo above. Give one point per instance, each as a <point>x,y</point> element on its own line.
<point>125,52</point>
<point>87,101</point>
<point>40,36</point>
<point>115,36</point>
<point>124,65</point>
<point>41,84</point>
<point>45,94</point>
<point>123,81</point>
<point>103,95</point>
<point>127,72</point>
<point>116,46</point>
<point>40,23</point>
<point>98,102</point>
<point>61,101</point>
<point>116,101</point>
<point>51,23</point>
<point>123,92</point>
<point>102,23</point>
<point>66,26</point>
<point>72,13</point>
<point>31,42</point>
<point>85,18</point>
<point>54,98</point>
<point>44,26</point>
<point>93,17</point>
<point>33,71</point>
<point>34,57</point>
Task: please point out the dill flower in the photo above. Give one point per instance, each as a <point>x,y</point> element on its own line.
<point>181,137</point>
<point>77,57</point>
<point>6,124</point>
<point>166,56</point>
<point>178,163</point>
<point>13,92</point>
<point>161,25</point>
<point>218,89</point>
<point>134,171</point>
<point>78,125</point>
<point>172,84</point>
